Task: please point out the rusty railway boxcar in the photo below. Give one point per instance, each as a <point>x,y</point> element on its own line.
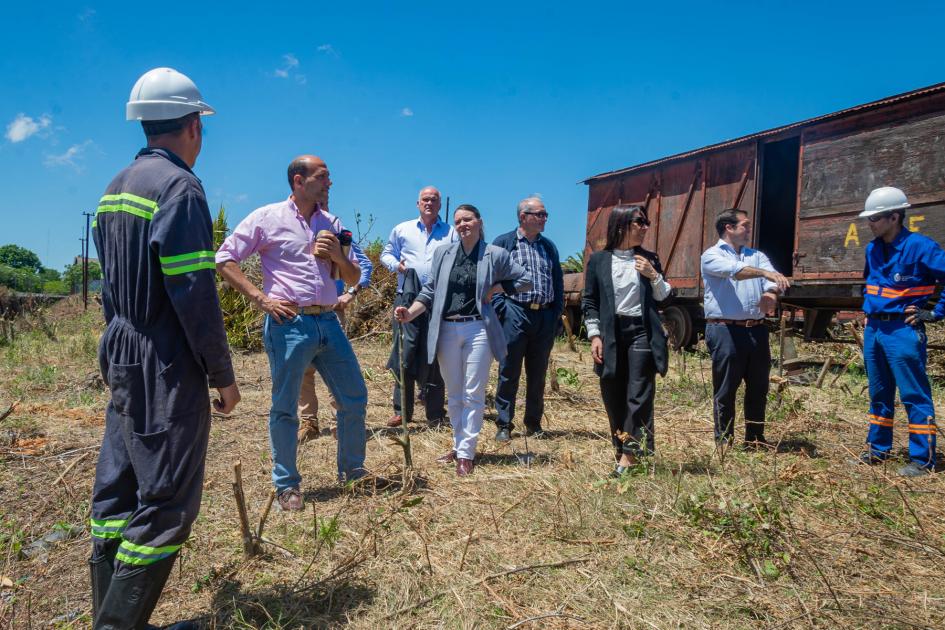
<point>802,184</point>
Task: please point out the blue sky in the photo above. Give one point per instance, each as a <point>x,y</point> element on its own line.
<point>490,102</point>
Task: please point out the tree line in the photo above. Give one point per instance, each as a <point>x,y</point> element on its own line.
<point>22,270</point>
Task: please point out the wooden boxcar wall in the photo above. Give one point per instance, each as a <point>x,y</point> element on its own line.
<point>902,145</point>
<point>682,198</point>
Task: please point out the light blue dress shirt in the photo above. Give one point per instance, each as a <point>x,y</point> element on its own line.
<point>728,298</point>
<point>366,268</point>
<point>409,241</point>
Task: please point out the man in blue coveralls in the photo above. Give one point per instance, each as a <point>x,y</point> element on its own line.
<point>163,345</point>
<point>901,271</point>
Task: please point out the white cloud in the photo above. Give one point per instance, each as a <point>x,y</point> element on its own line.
<point>87,14</point>
<point>328,49</point>
<point>290,63</point>
<point>300,79</point>
<point>23,126</point>
<point>406,112</point>
<point>71,156</point>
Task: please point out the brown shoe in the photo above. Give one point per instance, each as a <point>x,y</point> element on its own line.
<point>464,467</point>
<point>291,500</point>
<point>447,458</point>
<point>309,430</point>
<point>395,420</point>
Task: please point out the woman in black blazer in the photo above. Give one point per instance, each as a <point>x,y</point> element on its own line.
<point>622,286</point>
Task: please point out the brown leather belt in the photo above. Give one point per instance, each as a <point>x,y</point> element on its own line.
<point>747,323</point>
<point>533,306</point>
<point>312,309</point>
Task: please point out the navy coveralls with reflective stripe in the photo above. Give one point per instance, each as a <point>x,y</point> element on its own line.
<point>164,341</point>
<point>900,274</point>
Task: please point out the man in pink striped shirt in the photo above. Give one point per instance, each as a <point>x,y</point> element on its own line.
<point>297,243</point>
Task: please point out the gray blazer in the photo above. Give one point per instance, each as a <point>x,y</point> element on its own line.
<point>493,265</point>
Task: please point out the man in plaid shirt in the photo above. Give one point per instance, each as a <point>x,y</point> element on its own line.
<point>529,319</point>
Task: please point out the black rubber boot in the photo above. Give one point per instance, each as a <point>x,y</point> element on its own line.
<point>132,596</point>
<point>101,568</point>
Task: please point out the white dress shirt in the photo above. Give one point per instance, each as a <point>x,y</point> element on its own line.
<point>412,243</point>
<point>627,290</point>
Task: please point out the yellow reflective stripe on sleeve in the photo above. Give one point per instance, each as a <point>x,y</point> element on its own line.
<point>182,257</point>
<point>147,203</point>
<point>130,553</point>
<point>185,263</point>
<point>127,203</point>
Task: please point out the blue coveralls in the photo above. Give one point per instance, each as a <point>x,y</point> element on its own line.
<point>900,274</point>
<point>164,341</point>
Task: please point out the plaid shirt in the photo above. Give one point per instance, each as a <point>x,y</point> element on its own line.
<point>533,257</point>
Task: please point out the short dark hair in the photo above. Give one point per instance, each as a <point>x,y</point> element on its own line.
<point>728,217</point>
<point>619,224</point>
<point>155,128</point>
<point>298,166</point>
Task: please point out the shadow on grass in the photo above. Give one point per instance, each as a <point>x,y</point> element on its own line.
<point>325,605</point>
<point>798,445</point>
<point>514,459</point>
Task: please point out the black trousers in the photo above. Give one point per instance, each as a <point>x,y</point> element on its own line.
<point>739,354</point>
<point>628,397</point>
<point>427,377</point>
<point>530,336</point>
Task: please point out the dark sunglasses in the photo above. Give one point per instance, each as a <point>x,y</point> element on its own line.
<point>641,221</point>
<point>877,217</point>
<point>540,215</point>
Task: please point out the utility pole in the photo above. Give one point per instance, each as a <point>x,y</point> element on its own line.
<point>85,262</point>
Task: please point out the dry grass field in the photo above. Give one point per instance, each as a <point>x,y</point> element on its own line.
<point>689,539</point>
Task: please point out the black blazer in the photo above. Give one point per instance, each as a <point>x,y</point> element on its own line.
<point>599,303</point>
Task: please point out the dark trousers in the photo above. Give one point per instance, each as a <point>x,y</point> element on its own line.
<point>530,336</point>
<point>149,476</point>
<point>419,373</point>
<point>432,393</point>
<point>739,354</point>
<point>628,397</point>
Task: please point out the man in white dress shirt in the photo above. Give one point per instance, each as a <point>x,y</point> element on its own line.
<point>410,248</point>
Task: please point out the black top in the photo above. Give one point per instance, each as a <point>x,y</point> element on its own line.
<point>461,290</point>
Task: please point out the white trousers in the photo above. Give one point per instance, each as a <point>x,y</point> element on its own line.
<point>465,358</point>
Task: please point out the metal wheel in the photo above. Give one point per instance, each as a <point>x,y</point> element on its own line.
<point>678,323</point>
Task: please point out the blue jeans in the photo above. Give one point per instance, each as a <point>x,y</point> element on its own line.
<point>895,354</point>
<point>292,346</point>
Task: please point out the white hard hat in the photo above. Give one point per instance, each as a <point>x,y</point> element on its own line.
<point>885,199</point>
<point>164,94</point>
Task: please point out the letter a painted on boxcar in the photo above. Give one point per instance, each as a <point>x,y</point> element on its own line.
<point>852,236</point>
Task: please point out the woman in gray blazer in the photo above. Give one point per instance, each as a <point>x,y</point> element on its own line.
<point>465,334</point>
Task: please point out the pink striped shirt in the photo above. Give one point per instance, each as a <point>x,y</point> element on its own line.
<point>283,239</point>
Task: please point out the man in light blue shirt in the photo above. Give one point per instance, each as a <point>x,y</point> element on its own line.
<point>741,287</point>
<point>411,246</point>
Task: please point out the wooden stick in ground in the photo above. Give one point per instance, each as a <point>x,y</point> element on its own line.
<point>823,372</point>
<point>265,513</point>
<point>781,343</point>
<point>71,466</point>
<point>843,370</point>
<point>3,416</point>
<point>404,438</point>
<point>570,333</point>
<point>249,543</point>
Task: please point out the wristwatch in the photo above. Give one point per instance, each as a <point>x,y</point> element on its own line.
<point>354,290</point>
